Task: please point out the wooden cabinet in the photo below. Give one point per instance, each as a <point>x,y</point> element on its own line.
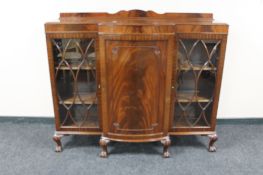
<point>136,76</point>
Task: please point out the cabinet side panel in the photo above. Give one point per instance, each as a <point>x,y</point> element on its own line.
<point>219,80</point>
<point>52,81</point>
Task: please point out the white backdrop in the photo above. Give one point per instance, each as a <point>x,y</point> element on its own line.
<point>24,77</point>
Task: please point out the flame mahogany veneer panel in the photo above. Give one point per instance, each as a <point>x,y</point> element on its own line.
<point>136,80</point>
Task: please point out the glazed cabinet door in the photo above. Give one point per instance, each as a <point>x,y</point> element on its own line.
<point>135,86</point>
<point>197,81</point>
<point>73,65</point>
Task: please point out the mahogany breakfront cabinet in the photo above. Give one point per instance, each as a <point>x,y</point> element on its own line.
<point>136,76</point>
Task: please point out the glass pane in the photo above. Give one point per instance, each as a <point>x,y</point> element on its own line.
<point>191,115</point>
<point>79,116</point>
<point>196,72</point>
<point>75,75</point>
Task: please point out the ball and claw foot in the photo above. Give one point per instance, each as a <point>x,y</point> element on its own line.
<point>58,149</point>
<point>166,143</point>
<point>103,144</point>
<point>103,154</point>
<point>57,139</point>
<point>166,154</point>
<point>212,139</point>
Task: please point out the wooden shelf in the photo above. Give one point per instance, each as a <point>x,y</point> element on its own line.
<point>210,41</point>
<point>89,98</point>
<point>195,67</point>
<point>76,67</point>
<point>184,97</point>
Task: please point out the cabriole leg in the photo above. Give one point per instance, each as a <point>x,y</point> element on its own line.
<point>166,143</point>
<point>103,144</point>
<point>212,139</point>
<point>57,139</point>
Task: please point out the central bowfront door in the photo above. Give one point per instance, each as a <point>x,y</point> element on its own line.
<point>135,86</point>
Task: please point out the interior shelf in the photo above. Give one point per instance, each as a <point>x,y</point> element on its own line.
<point>76,67</point>
<point>184,97</point>
<point>195,67</point>
<point>87,98</point>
